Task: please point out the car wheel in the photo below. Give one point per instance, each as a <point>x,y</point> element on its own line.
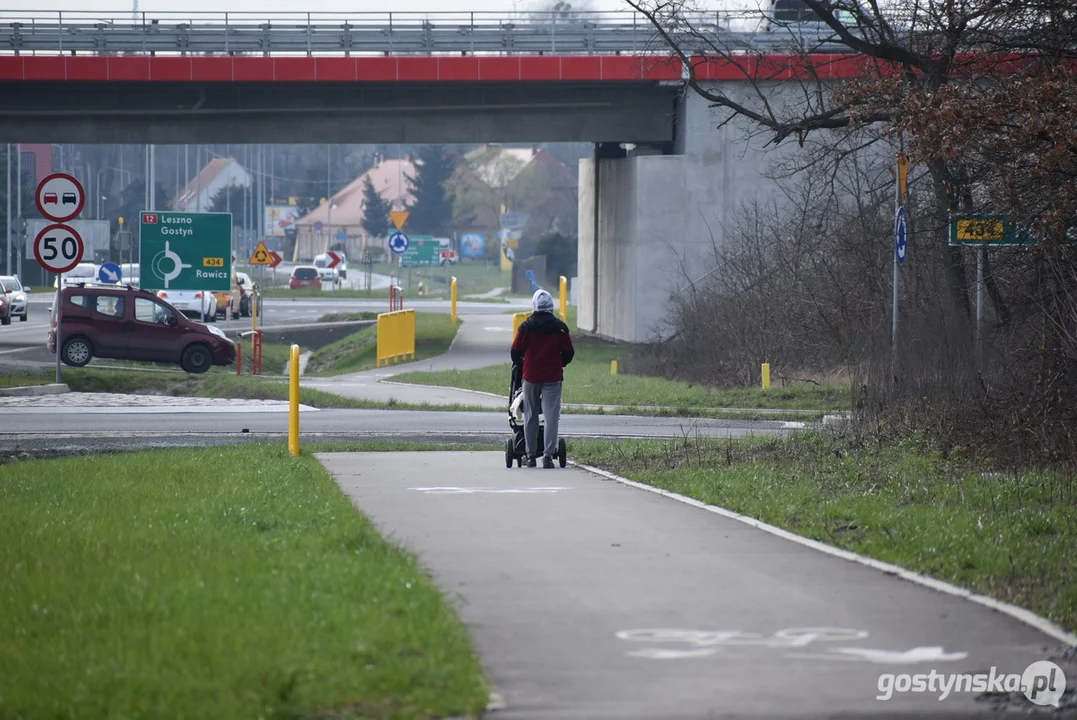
<point>245,308</point>
<point>5,320</point>
<point>77,351</point>
<point>196,359</point>
<point>22,318</point>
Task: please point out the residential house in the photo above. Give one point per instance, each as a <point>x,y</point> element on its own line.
<point>340,218</point>
<point>528,181</point>
<point>219,173</point>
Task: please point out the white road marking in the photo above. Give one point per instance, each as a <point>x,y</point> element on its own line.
<point>1018,613</point>
<point>490,490</point>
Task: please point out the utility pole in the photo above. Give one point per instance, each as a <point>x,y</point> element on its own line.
<point>7,217</point>
<point>328,195</point>
<point>18,214</point>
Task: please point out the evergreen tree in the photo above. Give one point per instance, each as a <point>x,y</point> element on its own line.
<point>431,209</point>
<point>375,211</point>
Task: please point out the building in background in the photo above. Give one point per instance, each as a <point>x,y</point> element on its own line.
<point>219,173</point>
<point>339,220</point>
<point>529,185</point>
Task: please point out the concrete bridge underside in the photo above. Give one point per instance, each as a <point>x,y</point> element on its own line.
<point>297,112</point>
<point>649,214</point>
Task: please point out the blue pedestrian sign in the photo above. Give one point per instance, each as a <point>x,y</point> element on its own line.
<point>901,233</point>
<point>398,242</point>
<point>109,273</point>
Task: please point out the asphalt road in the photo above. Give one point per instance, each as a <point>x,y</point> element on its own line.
<point>588,598</point>
<point>24,342</point>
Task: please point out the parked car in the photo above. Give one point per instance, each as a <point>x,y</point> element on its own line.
<point>5,304</point>
<point>249,295</point>
<point>112,321</point>
<point>195,304</point>
<point>305,276</point>
<point>17,291</point>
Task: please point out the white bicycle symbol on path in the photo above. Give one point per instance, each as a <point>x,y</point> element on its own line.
<point>710,642</point>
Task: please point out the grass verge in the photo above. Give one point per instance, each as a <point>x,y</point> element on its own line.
<point>1006,535</point>
<point>588,381</point>
<point>284,292</point>
<point>348,317</point>
<point>141,585</point>
<point>434,333</point>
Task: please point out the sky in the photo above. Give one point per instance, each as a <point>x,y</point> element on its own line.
<point>441,6</point>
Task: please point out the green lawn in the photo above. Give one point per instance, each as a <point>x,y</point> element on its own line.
<point>588,381</point>
<point>471,278</point>
<point>434,333</point>
<point>1009,536</point>
<point>348,317</point>
<point>226,582</point>
<point>285,292</point>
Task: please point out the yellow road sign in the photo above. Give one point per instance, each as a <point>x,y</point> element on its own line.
<point>261,255</point>
<point>981,230</point>
<point>399,217</point>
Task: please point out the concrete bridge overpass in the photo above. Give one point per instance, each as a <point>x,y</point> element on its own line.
<point>653,198</point>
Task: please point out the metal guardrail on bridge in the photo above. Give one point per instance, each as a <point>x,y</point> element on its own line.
<point>388,33</point>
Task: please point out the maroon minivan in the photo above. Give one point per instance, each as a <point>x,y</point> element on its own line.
<point>126,323</point>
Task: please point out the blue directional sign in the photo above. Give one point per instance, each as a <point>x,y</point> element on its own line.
<point>342,235</point>
<point>901,232</point>
<point>109,273</point>
<point>398,242</point>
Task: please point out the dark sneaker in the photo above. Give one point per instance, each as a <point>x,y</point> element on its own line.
<point>531,461</point>
<point>547,461</point>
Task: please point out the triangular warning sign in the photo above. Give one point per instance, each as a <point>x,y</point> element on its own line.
<point>261,255</point>
<point>399,217</point>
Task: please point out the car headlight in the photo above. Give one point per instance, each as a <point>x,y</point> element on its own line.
<point>216,331</point>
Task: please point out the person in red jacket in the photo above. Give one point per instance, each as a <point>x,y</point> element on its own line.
<point>544,346</point>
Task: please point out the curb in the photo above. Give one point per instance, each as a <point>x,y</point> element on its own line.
<point>27,390</point>
<point>1018,613</point>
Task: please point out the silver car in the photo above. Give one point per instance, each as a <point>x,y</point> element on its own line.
<point>17,291</point>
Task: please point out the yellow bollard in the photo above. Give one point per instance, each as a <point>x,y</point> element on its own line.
<point>452,299</point>
<point>293,408</point>
<point>564,298</point>
<point>613,367</point>
<point>766,376</point>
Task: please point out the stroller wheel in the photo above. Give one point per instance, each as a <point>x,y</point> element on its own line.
<point>562,453</point>
<point>508,453</point>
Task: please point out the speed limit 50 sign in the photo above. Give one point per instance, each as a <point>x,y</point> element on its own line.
<point>58,248</point>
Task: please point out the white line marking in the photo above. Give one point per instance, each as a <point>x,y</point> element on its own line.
<point>1018,613</point>
<point>490,490</point>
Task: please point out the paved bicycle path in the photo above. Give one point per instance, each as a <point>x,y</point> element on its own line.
<point>560,573</point>
<point>482,341</point>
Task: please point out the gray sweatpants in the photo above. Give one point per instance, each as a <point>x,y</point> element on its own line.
<point>549,394</point>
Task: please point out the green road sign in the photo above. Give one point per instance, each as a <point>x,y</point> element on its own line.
<point>993,230</point>
<point>980,230</point>
<point>185,251</point>
<point>423,251</point>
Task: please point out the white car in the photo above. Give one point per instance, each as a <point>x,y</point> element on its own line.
<point>83,272</point>
<point>195,304</point>
<point>17,291</point>
<point>331,275</point>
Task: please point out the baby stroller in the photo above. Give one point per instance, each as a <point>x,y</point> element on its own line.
<point>516,446</point>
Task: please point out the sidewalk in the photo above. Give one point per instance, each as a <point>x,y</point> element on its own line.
<point>589,597</point>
